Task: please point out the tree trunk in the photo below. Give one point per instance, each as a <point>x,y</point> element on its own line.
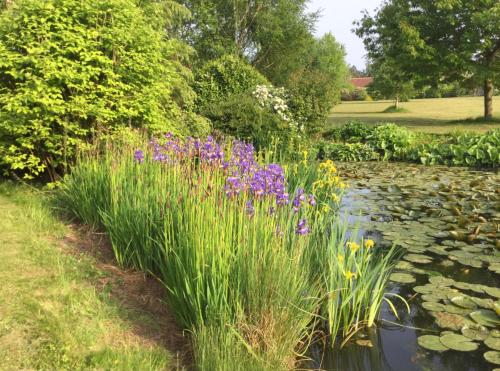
<point>396,103</point>
<point>488,99</point>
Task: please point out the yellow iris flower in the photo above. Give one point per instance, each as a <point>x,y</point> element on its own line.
<point>369,244</point>
<point>353,246</point>
<point>350,275</point>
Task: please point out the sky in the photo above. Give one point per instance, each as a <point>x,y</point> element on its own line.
<point>337,17</point>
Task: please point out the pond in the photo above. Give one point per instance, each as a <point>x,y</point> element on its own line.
<point>447,221</point>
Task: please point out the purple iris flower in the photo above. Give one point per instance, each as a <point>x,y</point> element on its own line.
<point>250,209</point>
<point>139,156</point>
<point>312,200</point>
<point>302,227</point>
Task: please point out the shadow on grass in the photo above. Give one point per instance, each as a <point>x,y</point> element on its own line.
<point>140,295</point>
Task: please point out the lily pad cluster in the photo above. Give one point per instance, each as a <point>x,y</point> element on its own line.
<point>448,222</point>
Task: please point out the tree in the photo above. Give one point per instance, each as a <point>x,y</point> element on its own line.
<point>72,70</point>
<point>355,72</point>
<point>271,35</point>
<point>437,41</point>
<point>276,38</point>
<point>316,87</point>
<point>390,83</point>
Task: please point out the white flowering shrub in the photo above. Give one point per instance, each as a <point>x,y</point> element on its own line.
<point>273,98</point>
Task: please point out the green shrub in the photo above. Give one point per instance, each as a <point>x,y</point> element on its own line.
<point>355,131</point>
<point>222,78</point>
<point>391,141</point>
<point>465,149</point>
<point>71,70</point>
<point>354,94</point>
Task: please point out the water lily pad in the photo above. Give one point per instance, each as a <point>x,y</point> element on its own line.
<point>492,291</point>
<point>404,265</point>
<point>469,286</point>
<point>464,302</point>
<point>475,332</point>
<point>492,357</point>
<point>492,342</point>
<point>433,306</point>
<point>458,342</point>
<point>427,289</point>
<point>434,297</point>
<point>402,278</point>
<point>450,321</point>
<point>442,281</point>
<point>418,258</point>
<point>431,342</point>
<point>483,303</point>
<point>450,308</point>
<point>485,317</point>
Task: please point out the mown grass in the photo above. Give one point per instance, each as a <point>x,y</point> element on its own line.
<point>437,115</point>
<point>53,316</point>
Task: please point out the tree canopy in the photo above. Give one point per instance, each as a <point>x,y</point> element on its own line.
<point>436,41</point>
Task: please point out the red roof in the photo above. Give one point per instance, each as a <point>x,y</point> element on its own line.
<point>361,82</point>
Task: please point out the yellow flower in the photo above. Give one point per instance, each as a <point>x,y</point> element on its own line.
<point>340,258</point>
<point>325,208</point>
<point>369,244</point>
<point>349,275</point>
<point>353,246</point>
<point>335,198</point>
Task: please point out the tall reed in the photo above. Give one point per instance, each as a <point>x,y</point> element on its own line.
<point>248,252</point>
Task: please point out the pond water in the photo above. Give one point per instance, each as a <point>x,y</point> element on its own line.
<point>447,220</point>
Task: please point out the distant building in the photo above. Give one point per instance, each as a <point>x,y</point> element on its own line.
<point>361,82</point>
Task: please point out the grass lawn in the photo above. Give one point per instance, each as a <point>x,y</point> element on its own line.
<point>62,308</point>
<point>437,115</point>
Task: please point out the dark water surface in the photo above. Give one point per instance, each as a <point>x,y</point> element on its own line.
<point>452,216</point>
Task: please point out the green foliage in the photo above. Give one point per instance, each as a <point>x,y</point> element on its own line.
<point>315,88</point>
<point>261,117</point>
<point>224,268</point>
<point>351,152</point>
<point>462,150</point>
<point>71,71</point>
<point>355,131</point>
<point>354,94</point>
<point>391,141</point>
<point>357,141</point>
<point>275,36</point>
<point>390,82</point>
<point>222,78</point>
<point>354,276</point>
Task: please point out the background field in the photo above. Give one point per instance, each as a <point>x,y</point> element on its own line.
<point>436,115</point>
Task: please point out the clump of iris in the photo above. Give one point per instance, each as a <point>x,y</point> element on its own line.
<point>244,175</point>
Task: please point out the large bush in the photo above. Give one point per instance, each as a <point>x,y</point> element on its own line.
<point>391,141</point>
<point>315,88</point>
<point>224,77</point>
<point>261,117</point>
<point>71,70</point>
